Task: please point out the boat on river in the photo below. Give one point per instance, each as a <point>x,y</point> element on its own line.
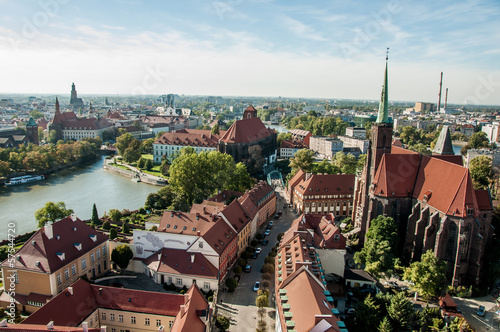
<point>24,179</point>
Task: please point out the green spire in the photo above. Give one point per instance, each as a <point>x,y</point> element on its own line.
<point>383,107</point>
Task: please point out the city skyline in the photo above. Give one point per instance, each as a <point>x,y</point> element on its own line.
<point>253,48</point>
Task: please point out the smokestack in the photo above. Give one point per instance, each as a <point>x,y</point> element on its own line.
<point>50,325</point>
<point>446,99</point>
<point>440,88</point>
<point>85,327</point>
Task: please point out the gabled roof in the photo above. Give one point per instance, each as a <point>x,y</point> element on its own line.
<point>219,236</point>
<point>327,184</point>
<point>181,262</point>
<point>246,131</point>
<point>207,207</point>
<point>82,298</point>
<point>45,254</point>
<point>225,195</point>
<point>186,223</point>
<point>261,192</point>
<point>248,205</point>
<point>193,317</point>
<point>288,144</point>
<point>236,215</point>
<point>203,139</point>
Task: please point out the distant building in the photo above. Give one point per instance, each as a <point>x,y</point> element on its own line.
<point>325,146</point>
<point>494,155</point>
<point>467,130</point>
<point>75,103</point>
<point>424,107</point>
<point>492,131</point>
<point>356,132</point>
<point>301,135</point>
<point>288,148</point>
<point>351,142</point>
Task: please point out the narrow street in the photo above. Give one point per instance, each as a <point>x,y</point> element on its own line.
<point>240,306</point>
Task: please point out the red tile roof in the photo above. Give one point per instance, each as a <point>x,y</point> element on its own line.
<point>181,262</point>
<point>246,131</point>
<point>327,184</point>
<point>204,139</point>
<point>43,327</point>
<point>207,207</point>
<point>41,254</point>
<point>193,318</point>
<point>483,199</point>
<point>287,144</point>
<point>185,223</point>
<point>261,193</point>
<point>86,298</point>
<point>68,120</point>
<point>219,236</point>
<point>224,196</point>
<point>236,215</point>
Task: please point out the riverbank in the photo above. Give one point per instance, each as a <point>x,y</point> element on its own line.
<point>133,173</point>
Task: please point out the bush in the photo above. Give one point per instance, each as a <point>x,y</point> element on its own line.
<point>231,284</point>
<point>237,269</point>
<point>250,249</point>
<point>268,268</point>
<point>254,243</point>
<point>267,276</point>
<point>106,225</point>
<point>222,323</point>
<point>242,262</point>
<point>259,236</point>
<point>149,164</point>
<point>245,255</point>
<point>125,228</point>
<point>154,229</point>
<point>141,163</point>
<point>280,235</point>
<point>269,260</point>
<point>265,284</point>
<point>210,299</point>
<point>113,234</point>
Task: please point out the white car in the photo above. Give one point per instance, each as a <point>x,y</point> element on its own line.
<point>256,287</point>
<point>258,250</point>
<point>267,232</point>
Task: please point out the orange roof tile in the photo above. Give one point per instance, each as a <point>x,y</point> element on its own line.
<point>181,262</point>
<point>193,317</point>
<point>246,131</point>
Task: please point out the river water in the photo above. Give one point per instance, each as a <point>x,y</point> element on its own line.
<point>79,187</point>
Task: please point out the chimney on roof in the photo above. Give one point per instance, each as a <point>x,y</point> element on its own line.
<point>49,232</point>
<point>192,258</point>
<point>73,217</point>
<point>50,325</point>
<point>319,318</point>
<point>100,290</point>
<point>198,233</point>
<point>103,328</point>
<point>183,309</point>
<point>159,256</point>
<point>70,290</point>
<point>85,327</point>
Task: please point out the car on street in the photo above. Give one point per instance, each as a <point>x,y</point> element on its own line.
<point>265,242</point>
<point>258,250</point>
<point>351,311</point>
<point>480,312</point>
<point>255,255</point>
<point>267,232</point>
<point>276,216</point>
<point>248,268</point>
<point>280,213</point>
<point>256,287</point>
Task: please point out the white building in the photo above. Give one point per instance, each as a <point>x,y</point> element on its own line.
<point>325,146</point>
<point>352,142</point>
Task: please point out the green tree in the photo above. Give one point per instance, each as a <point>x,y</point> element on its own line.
<point>35,114</point>
<point>379,254</point>
<point>283,136</point>
<point>385,325</point>
<point>106,225</point>
<point>125,228</point>
<point>141,163</point>
<point>113,234</point>
<point>123,142</point>
<point>478,140</point>
<point>52,138</point>
<point>262,301</point>
<point>164,167</point>
<point>428,275</point>
<point>133,152</point>
<point>215,129</point>
<point>303,159</point>
<point>95,216</point>
<point>51,212</point>
<point>367,315</point>
<point>41,134</point>
<point>222,323</point>
<point>480,171</point>
<point>149,164</point>
<point>115,215</point>
<point>346,162</point>
<point>4,168</point>
<point>400,310</point>
<point>147,145</point>
<point>122,255</point>
<point>231,284</point>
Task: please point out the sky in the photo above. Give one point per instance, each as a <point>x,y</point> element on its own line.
<point>311,49</point>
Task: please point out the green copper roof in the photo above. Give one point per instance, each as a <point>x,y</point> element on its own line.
<point>383,107</point>
<point>31,122</point>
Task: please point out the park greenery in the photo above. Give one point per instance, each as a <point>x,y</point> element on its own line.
<point>121,256</point>
<point>428,274</point>
<point>318,126</point>
<point>481,172</point>
<point>34,158</point>
<point>380,253</point>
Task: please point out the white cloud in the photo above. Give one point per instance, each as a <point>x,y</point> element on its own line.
<point>300,29</point>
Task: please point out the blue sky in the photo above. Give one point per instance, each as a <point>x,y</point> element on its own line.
<point>323,49</point>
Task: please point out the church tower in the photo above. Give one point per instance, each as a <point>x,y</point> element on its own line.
<point>250,112</point>
<point>381,139</point>
<point>73,92</point>
<point>32,131</point>
<point>444,145</point>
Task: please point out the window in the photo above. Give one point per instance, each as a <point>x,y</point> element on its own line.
<point>92,258</point>
<point>59,279</point>
<point>66,274</point>
<point>96,317</point>
<point>73,269</point>
<point>179,281</point>
<point>170,324</point>
<point>112,317</point>
<point>91,321</point>
<point>200,244</point>
<point>206,285</point>
<point>169,280</point>
<point>113,330</point>
<point>103,316</point>
<point>104,251</point>
<point>120,318</point>
<point>146,321</point>
<point>336,238</point>
<point>98,253</point>
<point>158,322</point>
<point>84,263</point>
<point>132,320</point>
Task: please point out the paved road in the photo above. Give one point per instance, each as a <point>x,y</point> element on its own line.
<point>240,305</point>
<point>489,322</point>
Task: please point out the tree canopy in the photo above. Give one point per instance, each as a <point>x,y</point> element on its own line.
<point>51,212</point>
<point>479,140</point>
<point>480,171</point>
<point>303,159</point>
<point>122,255</point>
<point>379,254</point>
<point>428,275</point>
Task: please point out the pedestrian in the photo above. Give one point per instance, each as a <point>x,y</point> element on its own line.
<point>221,301</point>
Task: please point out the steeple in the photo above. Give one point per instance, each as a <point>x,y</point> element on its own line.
<point>57,105</point>
<point>443,145</point>
<point>383,108</point>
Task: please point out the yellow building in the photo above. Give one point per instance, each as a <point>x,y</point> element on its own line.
<point>52,259</point>
<point>121,309</point>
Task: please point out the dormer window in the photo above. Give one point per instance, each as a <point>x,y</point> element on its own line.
<point>78,246</point>
<point>61,256</point>
<point>93,237</point>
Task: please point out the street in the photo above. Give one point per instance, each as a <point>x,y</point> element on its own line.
<point>469,308</point>
<point>240,306</point>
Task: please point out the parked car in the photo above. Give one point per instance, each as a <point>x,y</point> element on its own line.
<point>276,216</point>
<point>280,213</point>
<point>267,232</point>
<point>254,255</point>
<point>265,242</point>
<point>480,312</point>
<point>368,290</point>
<point>258,250</point>
<point>271,224</point>
<point>248,268</point>
<point>256,287</point>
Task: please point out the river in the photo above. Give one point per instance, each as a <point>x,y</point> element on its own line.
<point>78,187</point>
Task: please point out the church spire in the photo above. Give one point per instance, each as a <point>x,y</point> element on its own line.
<point>444,145</point>
<point>383,108</point>
<point>57,105</point>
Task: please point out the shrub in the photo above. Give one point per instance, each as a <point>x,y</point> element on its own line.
<point>280,235</point>
<point>242,262</point>
<point>237,269</point>
<point>265,284</point>
<point>268,268</point>
<point>245,255</point>
<point>259,236</point>
<point>267,276</point>
<point>222,323</point>
<point>154,229</point>
<point>113,234</point>
<point>254,243</point>
<point>106,225</point>
<point>231,284</point>
<point>141,163</point>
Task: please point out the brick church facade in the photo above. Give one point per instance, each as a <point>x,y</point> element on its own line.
<point>431,198</point>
